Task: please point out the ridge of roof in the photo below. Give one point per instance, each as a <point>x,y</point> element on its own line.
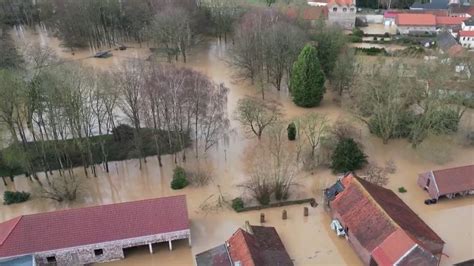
<point>4,235</point>
<point>371,198</point>
<point>411,212</point>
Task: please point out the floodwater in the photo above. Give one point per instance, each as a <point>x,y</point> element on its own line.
<point>388,47</point>
<point>309,240</point>
<point>375,28</point>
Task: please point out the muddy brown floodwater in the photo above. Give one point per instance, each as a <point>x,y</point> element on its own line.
<point>308,240</point>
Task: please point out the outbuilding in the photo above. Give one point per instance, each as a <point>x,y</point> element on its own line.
<point>94,234</point>
<point>452,182</point>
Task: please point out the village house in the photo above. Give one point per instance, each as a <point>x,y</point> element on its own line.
<point>252,246</point>
<point>416,24</point>
<point>453,24</point>
<point>379,226</point>
<point>462,11</point>
<point>458,181</point>
<point>448,44</point>
<point>342,13</point>
<point>94,234</point>
<point>310,15</point>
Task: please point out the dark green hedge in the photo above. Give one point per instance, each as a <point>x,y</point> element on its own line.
<point>12,197</point>
<point>119,146</point>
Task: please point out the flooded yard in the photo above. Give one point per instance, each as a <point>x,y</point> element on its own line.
<point>308,240</point>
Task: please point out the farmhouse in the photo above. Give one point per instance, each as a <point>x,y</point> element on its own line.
<point>254,246</point>
<point>416,24</point>
<point>94,234</point>
<point>380,227</point>
<point>448,182</point>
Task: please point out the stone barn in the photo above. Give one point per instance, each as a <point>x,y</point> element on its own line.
<point>94,234</point>
<point>452,182</point>
<point>380,227</point>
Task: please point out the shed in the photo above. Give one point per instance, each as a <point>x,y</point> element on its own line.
<point>457,181</point>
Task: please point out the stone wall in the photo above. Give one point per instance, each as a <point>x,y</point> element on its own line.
<point>112,250</point>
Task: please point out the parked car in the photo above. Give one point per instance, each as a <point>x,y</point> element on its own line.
<point>337,227</point>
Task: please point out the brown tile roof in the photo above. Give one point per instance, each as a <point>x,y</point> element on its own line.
<point>372,213</point>
<point>314,13</point>
<point>449,21</point>
<point>261,248</point>
<point>464,10</point>
<point>76,227</point>
<point>456,179</point>
<point>415,20</point>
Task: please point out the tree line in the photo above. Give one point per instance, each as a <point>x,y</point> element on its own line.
<point>60,115</point>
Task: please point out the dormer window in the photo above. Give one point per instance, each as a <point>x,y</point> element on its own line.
<point>334,9</point>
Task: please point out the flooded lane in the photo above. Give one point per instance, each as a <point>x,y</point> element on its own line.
<point>308,240</point>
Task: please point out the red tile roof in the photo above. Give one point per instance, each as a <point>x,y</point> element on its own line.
<point>466,33</point>
<point>393,248</point>
<point>415,20</point>
<point>373,213</point>
<point>76,227</point>
<point>449,21</point>
<point>262,247</point>
<point>340,2</point>
<point>314,13</point>
<point>455,179</point>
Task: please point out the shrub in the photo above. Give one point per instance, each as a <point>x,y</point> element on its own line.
<point>11,197</point>
<point>238,204</point>
<point>402,190</point>
<point>180,180</point>
<point>386,35</point>
<point>347,156</point>
<point>123,133</point>
<point>375,38</point>
<point>291,131</point>
<point>445,121</point>
<point>358,32</point>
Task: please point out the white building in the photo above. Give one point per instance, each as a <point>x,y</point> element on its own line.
<point>466,39</point>
<point>416,24</point>
<point>342,12</point>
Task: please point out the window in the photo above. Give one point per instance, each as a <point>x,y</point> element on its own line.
<point>51,259</point>
<point>428,182</point>
<point>344,9</point>
<point>352,9</point>
<point>98,252</point>
<point>334,9</point>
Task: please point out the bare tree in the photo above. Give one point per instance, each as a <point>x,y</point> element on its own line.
<point>130,83</point>
<point>255,115</point>
<point>313,127</point>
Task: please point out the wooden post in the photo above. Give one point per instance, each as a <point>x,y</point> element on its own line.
<point>262,217</point>
<point>306,211</point>
<point>189,239</point>
<point>171,245</point>
<point>284,215</point>
<point>151,248</point>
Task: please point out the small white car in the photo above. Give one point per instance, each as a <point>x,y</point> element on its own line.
<point>337,227</point>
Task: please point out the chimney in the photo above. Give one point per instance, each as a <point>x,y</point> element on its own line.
<point>248,227</point>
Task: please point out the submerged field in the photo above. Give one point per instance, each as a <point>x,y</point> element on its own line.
<point>309,240</point>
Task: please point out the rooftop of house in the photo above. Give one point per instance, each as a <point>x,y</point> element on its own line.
<point>398,248</point>
<point>308,13</point>
<point>445,40</point>
<point>463,10</point>
<point>341,3</point>
<point>449,21</point>
<point>455,179</point>
<point>465,33</point>
<point>260,246</point>
<point>469,22</point>
<point>33,233</point>
<point>406,19</point>
<point>373,213</point>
